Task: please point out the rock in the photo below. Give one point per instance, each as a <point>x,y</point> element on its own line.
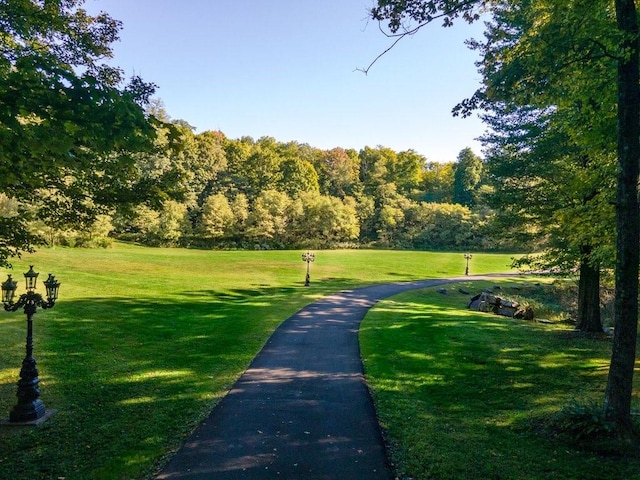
<point>486,307</point>
<point>443,291</point>
<point>509,304</point>
<point>506,311</point>
<point>463,291</point>
<point>487,302</point>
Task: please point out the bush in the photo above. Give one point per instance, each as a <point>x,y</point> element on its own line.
<point>583,422</point>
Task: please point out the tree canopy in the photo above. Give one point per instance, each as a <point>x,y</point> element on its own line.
<point>69,123</point>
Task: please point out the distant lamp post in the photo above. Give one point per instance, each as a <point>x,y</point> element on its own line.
<point>467,257</point>
<point>30,409</point>
<point>308,257</point>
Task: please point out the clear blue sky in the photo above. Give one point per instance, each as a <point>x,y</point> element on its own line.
<point>287,69</point>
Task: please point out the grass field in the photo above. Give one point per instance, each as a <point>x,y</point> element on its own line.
<point>143,342</point>
<point>468,395</point>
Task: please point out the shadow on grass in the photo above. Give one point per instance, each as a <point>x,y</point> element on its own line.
<point>443,378</point>
<point>131,377</point>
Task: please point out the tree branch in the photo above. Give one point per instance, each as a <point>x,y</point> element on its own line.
<point>448,15</point>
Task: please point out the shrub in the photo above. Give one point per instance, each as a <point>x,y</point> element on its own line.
<point>583,422</point>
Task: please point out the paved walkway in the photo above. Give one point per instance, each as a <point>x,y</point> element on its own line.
<point>302,410</point>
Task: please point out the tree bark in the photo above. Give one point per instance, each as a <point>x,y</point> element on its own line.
<point>620,381</point>
<point>589,319</point>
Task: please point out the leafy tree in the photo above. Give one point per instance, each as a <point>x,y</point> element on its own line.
<point>437,182</point>
<point>339,171</point>
<point>240,209</point>
<point>269,219</point>
<point>297,175</point>
<point>466,177</point>
<point>620,43</point>
<point>365,211</point>
<point>553,194</point>
<point>323,221</point>
<point>217,216</point>
<point>406,172</point>
<point>203,160</point>
<point>232,180</point>
<point>347,227</point>
<point>375,167</point>
<point>390,218</point>
<point>145,225</point>
<point>68,123</point>
<point>547,130</point>
<point>445,225</point>
<point>261,169</point>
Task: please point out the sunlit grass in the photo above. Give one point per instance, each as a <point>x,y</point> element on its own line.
<point>143,342</point>
<point>461,394</point>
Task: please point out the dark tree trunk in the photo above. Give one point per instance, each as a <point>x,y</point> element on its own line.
<point>620,382</point>
<point>589,319</point>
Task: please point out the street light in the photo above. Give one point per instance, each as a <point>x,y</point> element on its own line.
<point>30,408</point>
<point>467,257</point>
<point>308,257</point>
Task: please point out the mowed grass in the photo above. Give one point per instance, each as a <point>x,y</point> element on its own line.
<point>466,395</point>
<point>143,342</point>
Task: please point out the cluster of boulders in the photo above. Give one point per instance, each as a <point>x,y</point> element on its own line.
<point>488,302</point>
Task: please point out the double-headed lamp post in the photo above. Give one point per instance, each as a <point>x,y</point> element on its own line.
<point>29,408</point>
<point>308,257</point>
<point>467,257</point>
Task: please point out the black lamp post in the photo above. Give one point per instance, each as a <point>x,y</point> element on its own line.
<point>467,257</point>
<point>30,408</point>
<point>308,257</point>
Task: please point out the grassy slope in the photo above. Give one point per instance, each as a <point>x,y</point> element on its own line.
<point>144,341</point>
<point>461,394</point>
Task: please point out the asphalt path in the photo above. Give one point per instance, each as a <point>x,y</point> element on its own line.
<point>302,410</point>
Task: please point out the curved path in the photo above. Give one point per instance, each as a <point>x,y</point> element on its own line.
<point>302,410</point>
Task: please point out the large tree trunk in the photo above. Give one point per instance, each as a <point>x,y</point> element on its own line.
<point>589,319</point>
<point>620,381</point>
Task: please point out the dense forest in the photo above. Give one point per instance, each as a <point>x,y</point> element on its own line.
<point>217,192</point>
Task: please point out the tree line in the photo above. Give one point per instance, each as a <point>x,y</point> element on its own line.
<point>245,193</point>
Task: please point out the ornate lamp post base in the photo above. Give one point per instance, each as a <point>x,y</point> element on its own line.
<point>29,408</point>
<point>29,423</point>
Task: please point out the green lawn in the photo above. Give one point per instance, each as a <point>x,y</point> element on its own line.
<point>466,395</point>
<point>143,342</point>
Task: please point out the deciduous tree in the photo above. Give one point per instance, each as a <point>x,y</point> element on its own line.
<point>68,122</point>
<point>466,177</point>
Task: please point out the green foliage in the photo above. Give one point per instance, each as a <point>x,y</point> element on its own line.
<point>269,218</point>
<point>437,180</point>
<point>553,179</point>
<point>69,124</point>
<point>217,216</point>
<point>304,199</point>
<point>466,177</point>
<point>583,422</point>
